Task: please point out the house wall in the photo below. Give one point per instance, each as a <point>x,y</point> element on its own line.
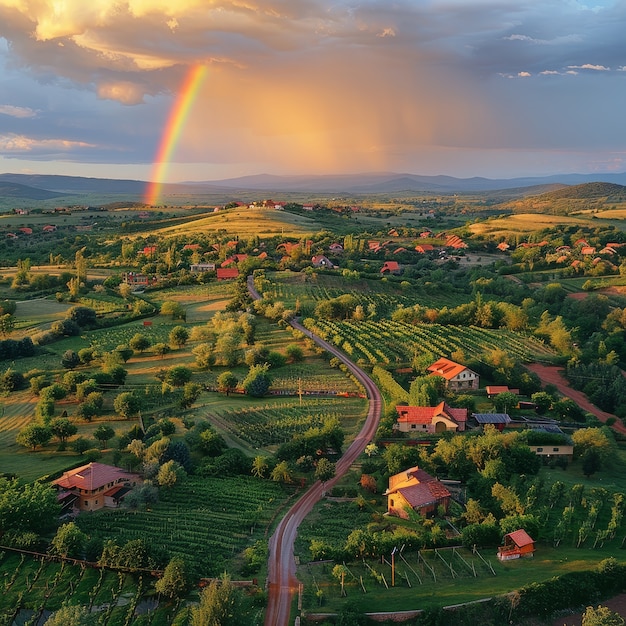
<point>550,450</point>
<point>397,505</point>
<point>465,380</point>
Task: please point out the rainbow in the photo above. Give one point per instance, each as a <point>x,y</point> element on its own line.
<point>173,129</point>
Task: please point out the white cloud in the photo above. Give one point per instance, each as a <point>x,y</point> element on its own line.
<point>20,144</point>
<point>549,73</point>
<point>13,111</point>
<point>590,66</point>
<point>524,74</point>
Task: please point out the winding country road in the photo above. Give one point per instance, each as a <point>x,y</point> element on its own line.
<point>282,581</point>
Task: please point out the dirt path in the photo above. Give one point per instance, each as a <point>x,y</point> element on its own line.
<point>281,577</point>
<point>551,374</point>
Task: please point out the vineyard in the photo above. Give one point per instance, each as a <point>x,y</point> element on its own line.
<point>396,343</point>
<point>35,587</point>
<point>278,423</point>
<point>205,521</point>
<point>385,296</point>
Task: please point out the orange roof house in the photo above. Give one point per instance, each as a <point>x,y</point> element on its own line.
<point>516,544</point>
<point>26,230</point>
<point>457,376</point>
<point>227,273</point>
<point>417,490</point>
<point>430,419</point>
<point>94,486</point>
<point>49,228</point>
<point>391,267</point>
<point>587,250</point>
<point>453,241</point>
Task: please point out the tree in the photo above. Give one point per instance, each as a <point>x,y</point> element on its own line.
<point>178,376</point>
<point>220,605</point>
<point>30,507</point>
<point>70,359</point>
<point>175,309</point>
<point>282,473</point>
<point>127,404</point>
<point>259,466</point>
<point>63,429</point>
<point>7,324</point>
<point>179,336</point>
<point>69,541</point>
<point>325,470</point>
<point>169,474</point>
<point>82,315</point>
<point>124,352</point>
<point>227,382</point>
<point>70,615</point>
<point>505,401</point>
<point>602,616</point>
<point>175,580</point>
<point>160,349</point>
<point>591,462</point>
<point>542,400</point>
<point>294,353</point>
<point>204,355</point>
<point>34,435</point>
<point>139,342</point>
<point>191,392</point>
<point>103,433</point>
<point>257,382</point>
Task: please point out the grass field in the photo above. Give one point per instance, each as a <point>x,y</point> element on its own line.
<point>522,224</point>
<point>247,223</point>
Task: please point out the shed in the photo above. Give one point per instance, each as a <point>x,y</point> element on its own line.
<point>516,544</point>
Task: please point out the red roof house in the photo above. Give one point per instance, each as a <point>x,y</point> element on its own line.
<point>457,376</point>
<point>417,490</point>
<point>94,486</point>
<point>516,544</point>
<point>227,273</point>
<point>430,419</point>
<point>26,230</point>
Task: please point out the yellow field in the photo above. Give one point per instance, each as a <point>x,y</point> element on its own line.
<point>247,223</point>
<point>523,223</point>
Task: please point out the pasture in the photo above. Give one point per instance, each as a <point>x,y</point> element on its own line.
<point>246,223</point>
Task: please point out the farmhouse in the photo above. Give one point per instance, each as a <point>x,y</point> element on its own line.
<point>417,490</point>
<point>139,280</point>
<point>94,486</point>
<point>516,544</point>
<point>430,419</point>
<point>457,376</point>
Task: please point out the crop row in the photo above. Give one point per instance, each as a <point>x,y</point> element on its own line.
<point>388,342</point>
<point>276,425</point>
<point>204,520</point>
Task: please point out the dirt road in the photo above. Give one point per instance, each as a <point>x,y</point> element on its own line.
<point>551,374</point>
<point>282,581</point>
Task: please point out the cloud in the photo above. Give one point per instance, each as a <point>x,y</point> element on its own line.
<point>589,66</point>
<point>13,144</point>
<point>524,74</point>
<point>13,111</point>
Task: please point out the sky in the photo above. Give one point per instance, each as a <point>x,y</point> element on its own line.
<point>493,88</point>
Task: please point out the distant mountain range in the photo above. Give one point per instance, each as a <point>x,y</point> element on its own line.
<point>37,187</point>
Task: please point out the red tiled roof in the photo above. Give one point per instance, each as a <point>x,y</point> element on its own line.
<point>446,368</point>
<point>227,272</point>
<point>426,414</point>
<point>91,476</point>
<point>422,494</point>
<point>520,538</point>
